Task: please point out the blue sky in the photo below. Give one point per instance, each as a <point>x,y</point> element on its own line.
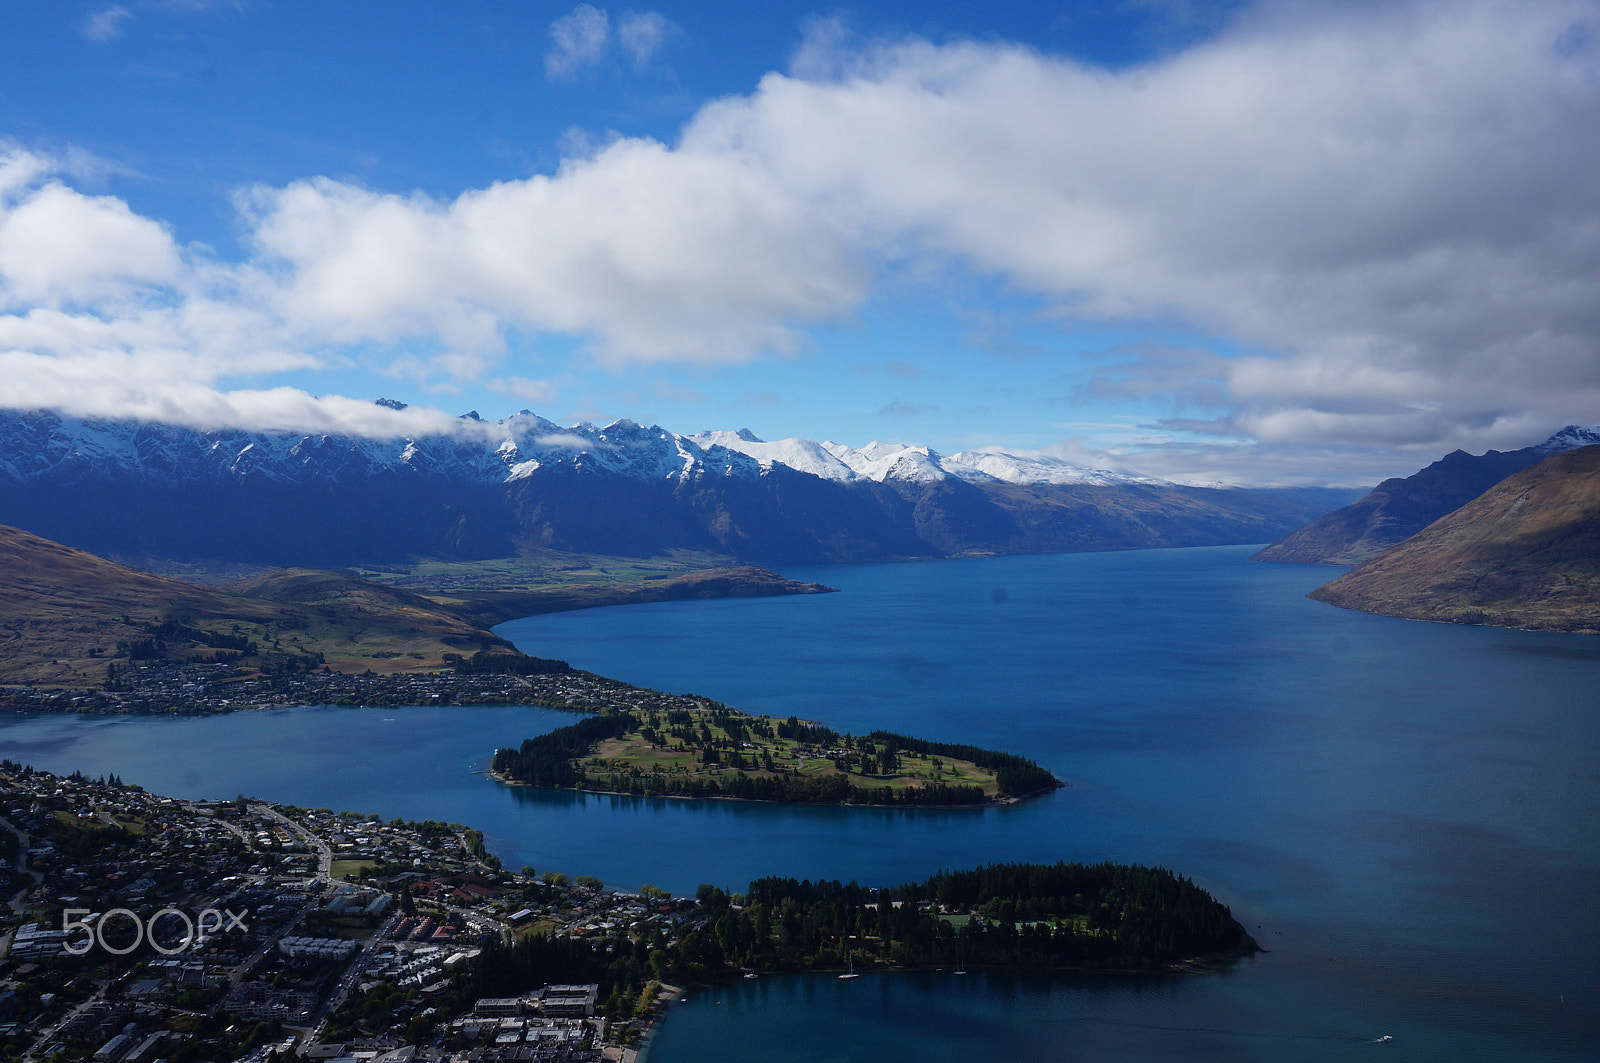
<point>1282,242</point>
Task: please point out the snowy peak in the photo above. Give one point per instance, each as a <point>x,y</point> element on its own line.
<point>908,463</point>
<point>801,455</point>
<point>883,462</point>
<point>892,462</point>
<point>992,463</point>
<point>622,448</point>
<point>1570,438</point>
<point>43,445</point>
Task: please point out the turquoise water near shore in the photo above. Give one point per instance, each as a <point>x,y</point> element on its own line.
<point>1406,815</point>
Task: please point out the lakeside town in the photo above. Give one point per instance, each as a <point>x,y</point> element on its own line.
<point>143,927</point>
<point>664,745</point>
<point>164,687</point>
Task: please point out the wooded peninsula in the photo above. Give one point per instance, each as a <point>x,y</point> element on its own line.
<point>714,751</point>
<point>1107,917</point>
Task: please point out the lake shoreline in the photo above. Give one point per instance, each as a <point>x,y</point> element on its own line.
<point>1339,777</point>
<point>976,806</point>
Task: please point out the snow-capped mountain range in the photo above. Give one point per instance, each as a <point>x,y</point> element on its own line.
<point>492,490</point>
<point>1401,507</point>
<point>1570,438</point>
<point>45,445</point>
<point>48,445</point>
<point>907,463</point>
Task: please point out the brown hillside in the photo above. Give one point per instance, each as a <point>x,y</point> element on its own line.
<point>66,614</point>
<point>1524,554</point>
<point>1398,508</point>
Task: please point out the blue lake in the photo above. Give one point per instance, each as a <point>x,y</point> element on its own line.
<point>1407,816</point>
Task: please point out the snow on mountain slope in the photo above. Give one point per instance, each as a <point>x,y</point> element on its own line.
<point>802,455</point>
<point>834,461</point>
<point>41,445</point>
<point>906,463</point>
<point>890,462</point>
<point>47,446</point>
<point>1031,468</point>
<point>1570,438</point>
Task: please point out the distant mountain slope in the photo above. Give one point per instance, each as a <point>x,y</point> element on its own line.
<point>523,485</point>
<point>1401,507</point>
<point>1525,554</point>
<point>903,462</point>
<point>65,615</point>
<point>490,607</point>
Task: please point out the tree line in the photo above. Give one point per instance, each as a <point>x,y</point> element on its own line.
<point>485,663</point>
<point>1015,775</point>
<point>787,789</point>
<point>1100,916</point>
<point>550,759</point>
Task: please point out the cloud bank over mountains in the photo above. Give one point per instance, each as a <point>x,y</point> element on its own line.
<point>1389,208</point>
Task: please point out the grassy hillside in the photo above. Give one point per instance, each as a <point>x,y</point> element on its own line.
<point>539,568</point>
<point>66,614</point>
<point>1525,554</point>
<point>359,624</point>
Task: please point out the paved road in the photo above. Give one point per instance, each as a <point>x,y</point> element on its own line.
<point>352,971</point>
<point>21,864</point>
<point>325,866</point>
<point>44,1038</point>
<point>358,961</point>
<point>249,842</point>
<point>324,853</point>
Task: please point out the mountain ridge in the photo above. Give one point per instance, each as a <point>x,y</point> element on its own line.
<point>66,615</point>
<point>143,490</point>
<point>1524,554</point>
<point>40,444</point>
<point>1402,506</point>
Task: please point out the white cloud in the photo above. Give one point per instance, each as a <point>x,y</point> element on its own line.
<point>1170,456</point>
<point>102,314</point>
<point>107,24</point>
<point>660,255</point>
<point>19,171</point>
<point>133,384</point>
<point>825,52</point>
<point>1390,206</point>
<point>104,25</point>
<point>1396,201</point>
<point>569,441</point>
<point>59,246</point>
<point>643,35</point>
<point>582,38</point>
<point>579,40</point>
<point>535,391</point>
